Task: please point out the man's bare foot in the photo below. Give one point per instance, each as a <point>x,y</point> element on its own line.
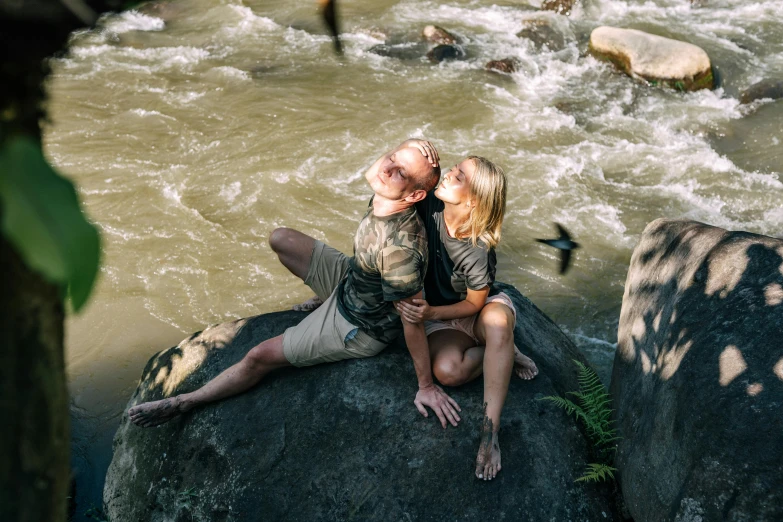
<point>309,305</point>
<point>157,412</point>
<point>488,459</point>
<point>524,366</point>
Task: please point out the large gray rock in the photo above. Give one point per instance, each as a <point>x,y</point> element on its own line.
<point>765,89</point>
<point>343,441</point>
<point>655,59</point>
<point>697,382</point>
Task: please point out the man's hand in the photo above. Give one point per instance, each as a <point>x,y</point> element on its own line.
<point>444,406</point>
<point>416,311</point>
<point>426,148</point>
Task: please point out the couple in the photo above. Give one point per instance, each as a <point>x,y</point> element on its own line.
<point>408,242</point>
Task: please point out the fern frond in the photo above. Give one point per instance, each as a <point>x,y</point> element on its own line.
<point>569,406</point>
<point>597,472</point>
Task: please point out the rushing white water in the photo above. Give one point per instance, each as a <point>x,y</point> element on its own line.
<point>195,128</point>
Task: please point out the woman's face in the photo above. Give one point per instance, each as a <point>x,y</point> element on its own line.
<point>454,185</point>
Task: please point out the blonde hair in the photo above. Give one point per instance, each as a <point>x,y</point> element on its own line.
<point>488,192</point>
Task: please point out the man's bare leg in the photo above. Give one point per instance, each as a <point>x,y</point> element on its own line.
<point>295,251</point>
<point>240,377</point>
<point>495,328</point>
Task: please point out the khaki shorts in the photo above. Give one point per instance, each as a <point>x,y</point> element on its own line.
<point>325,335</point>
<point>466,324</point>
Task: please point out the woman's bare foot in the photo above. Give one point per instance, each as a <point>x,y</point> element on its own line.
<point>156,412</point>
<point>488,459</point>
<point>524,366</point>
<point>309,305</point>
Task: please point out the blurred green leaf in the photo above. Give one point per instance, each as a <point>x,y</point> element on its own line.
<point>43,219</point>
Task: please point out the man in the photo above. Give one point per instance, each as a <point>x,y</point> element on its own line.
<point>358,316</point>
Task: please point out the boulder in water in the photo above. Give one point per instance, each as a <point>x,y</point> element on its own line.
<point>401,51</point>
<point>771,89</point>
<point>658,60</point>
<point>344,441</point>
<point>506,65</point>
<point>438,35</point>
<point>543,35</point>
<point>697,383</point>
<point>441,53</point>
<point>562,7</point>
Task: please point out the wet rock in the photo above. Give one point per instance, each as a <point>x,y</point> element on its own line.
<point>440,53</point>
<point>543,35</point>
<point>658,60</point>
<point>372,32</point>
<point>768,88</point>
<point>438,35</point>
<point>697,383</point>
<point>343,441</point>
<point>506,65</point>
<point>402,51</point>
<point>562,7</point>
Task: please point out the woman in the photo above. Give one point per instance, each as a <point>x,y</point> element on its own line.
<point>470,329</point>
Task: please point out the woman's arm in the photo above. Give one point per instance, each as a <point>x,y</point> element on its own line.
<point>418,310</point>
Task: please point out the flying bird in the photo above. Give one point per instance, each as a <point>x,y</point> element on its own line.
<point>564,244</point>
<point>329,13</point>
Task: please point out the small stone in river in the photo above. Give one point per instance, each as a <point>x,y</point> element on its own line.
<point>445,52</point>
<point>438,35</point>
<point>562,7</point>
<point>542,34</point>
<point>658,60</point>
<point>400,51</point>
<point>506,65</point>
<point>769,88</point>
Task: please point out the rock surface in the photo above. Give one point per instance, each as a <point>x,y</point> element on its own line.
<point>343,441</point>
<point>658,60</point>
<point>440,53</point>
<point>772,89</point>
<point>438,35</point>
<point>697,382</point>
<point>506,65</point>
<point>562,7</point>
<point>543,35</point>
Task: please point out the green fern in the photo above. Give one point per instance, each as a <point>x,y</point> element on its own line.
<point>593,407</point>
<point>597,473</point>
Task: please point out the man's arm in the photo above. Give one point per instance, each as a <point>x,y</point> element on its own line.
<point>429,394</point>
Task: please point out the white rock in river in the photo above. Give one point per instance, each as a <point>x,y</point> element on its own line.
<point>658,60</point>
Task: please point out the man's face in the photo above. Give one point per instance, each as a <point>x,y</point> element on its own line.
<point>399,174</point>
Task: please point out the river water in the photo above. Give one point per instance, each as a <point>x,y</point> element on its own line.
<point>195,128</point>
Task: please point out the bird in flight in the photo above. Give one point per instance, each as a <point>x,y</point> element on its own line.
<point>329,13</point>
<point>564,244</point>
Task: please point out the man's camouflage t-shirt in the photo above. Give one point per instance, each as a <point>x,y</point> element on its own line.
<point>388,264</point>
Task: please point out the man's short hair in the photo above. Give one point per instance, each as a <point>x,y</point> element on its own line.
<point>429,180</point>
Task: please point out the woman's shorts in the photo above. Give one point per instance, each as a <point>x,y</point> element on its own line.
<point>466,324</point>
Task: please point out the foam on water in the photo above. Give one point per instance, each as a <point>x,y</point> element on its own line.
<point>131,21</point>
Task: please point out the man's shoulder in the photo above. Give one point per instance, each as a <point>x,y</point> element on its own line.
<point>407,232</point>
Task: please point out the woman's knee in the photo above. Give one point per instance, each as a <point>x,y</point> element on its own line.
<point>449,372</point>
<point>497,320</point>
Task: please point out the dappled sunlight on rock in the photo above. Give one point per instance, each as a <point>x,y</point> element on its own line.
<point>773,293</point>
<point>778,369</point>
<point>755,388</point>
<point>724,276</point>
<point>187,364</point>
<point>732,364</point>
<point>671,359</point>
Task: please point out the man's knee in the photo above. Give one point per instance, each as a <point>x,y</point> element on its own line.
<point>267,354</point>
<point>280,238</point>
<point>449,372</point>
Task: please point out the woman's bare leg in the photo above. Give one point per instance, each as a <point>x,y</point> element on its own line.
<point>240,377</point>
<point>495,328</point>
<point>455,357</point>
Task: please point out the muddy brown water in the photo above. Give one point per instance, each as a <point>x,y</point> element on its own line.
<point>195,128</point>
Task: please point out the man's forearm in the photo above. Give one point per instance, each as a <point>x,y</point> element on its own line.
<point>416,339</point>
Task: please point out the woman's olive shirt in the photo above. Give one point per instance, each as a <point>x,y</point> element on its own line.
<point>454,264</point>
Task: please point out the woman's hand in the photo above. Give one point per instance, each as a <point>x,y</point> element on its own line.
<point>416,311</point>
<point>426,148</point>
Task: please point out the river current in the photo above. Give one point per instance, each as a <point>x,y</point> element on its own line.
<point>195,128</point>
